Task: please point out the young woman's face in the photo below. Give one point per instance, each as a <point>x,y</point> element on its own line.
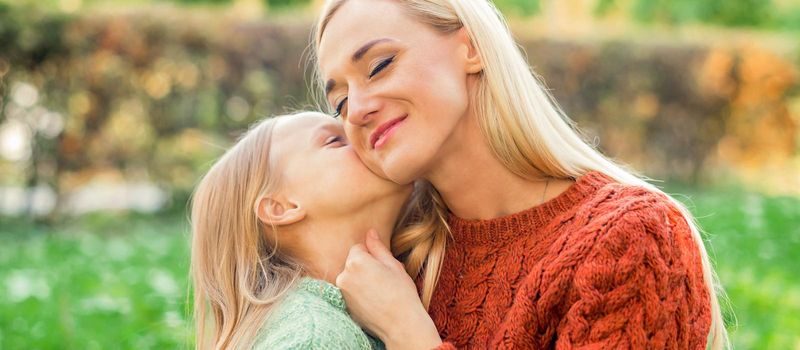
<point>400,87</point>
<point>320,170</point>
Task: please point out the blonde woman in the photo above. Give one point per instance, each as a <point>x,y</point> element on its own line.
<point>272,223</point>
<point>534,239</point>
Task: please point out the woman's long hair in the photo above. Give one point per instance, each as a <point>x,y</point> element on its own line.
<point>237,272</point>
<point>527,131</point>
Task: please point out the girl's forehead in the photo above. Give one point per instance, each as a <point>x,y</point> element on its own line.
<point>303,123</point>
<point>294,132</point>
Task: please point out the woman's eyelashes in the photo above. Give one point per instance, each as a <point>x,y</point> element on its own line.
<point>339,108</point>
<point>383,64</point>
<point>380,67</point>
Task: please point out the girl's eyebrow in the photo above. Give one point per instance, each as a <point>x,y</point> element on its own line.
<point>357,56</point>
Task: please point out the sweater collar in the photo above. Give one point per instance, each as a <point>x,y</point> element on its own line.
<point>502,229</point>
<point>323,289</point>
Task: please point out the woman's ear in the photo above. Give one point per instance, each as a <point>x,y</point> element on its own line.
<point>473,62</point>
<point>278,210</point>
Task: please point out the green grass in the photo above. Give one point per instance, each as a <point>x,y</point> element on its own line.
<point>755,244</point>
<point>120,281</point>
<point>102,282</point>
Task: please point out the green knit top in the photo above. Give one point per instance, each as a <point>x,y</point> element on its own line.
<point>313,316</point>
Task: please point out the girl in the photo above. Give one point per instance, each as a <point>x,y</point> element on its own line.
<point>272,223</point>
<point>549,244</point>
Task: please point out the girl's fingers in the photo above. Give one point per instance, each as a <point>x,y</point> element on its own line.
<point>378,250</point>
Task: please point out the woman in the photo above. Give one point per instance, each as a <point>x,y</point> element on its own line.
<point>549,244</point>
<point>272,223</point>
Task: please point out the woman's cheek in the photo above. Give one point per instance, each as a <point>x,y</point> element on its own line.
<point>365,158</point>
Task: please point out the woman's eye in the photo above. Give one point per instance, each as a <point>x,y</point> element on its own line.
<point>381,66</point>
<point>339,108</point>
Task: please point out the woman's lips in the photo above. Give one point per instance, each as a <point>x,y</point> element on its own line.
<point>381,135</point>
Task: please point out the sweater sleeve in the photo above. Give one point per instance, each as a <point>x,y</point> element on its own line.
<point>640,286</point>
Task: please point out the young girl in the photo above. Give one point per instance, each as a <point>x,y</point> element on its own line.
<point>549,244</point>
<point>272,223</point>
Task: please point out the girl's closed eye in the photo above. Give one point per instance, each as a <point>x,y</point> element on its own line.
<point>336,140</point>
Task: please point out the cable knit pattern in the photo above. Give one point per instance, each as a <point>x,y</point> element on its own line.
<point>601,266</point>
<point>313,316</point>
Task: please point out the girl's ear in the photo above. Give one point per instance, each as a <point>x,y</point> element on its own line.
<point>472,59</point>
<point>278,210</point>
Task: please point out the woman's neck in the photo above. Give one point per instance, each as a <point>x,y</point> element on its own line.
<point>474,183</point>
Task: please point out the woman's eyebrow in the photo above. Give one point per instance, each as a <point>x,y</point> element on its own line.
<point>357,56</point>
<point>329,86</point>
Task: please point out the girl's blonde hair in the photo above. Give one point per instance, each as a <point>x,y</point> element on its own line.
<point>526,129</point>
<point>237,271</point>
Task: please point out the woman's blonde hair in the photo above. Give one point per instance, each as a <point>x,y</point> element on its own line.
<point>237,270</point>
<point>525,127</point>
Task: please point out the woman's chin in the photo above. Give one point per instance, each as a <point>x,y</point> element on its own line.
<point>392,169</point>
<point>399,174</point>
<point>405,163</point>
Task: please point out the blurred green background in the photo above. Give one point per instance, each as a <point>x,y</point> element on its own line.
<point>111,110</point>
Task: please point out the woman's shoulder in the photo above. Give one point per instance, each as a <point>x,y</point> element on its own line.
<point>596,192</point>
<point>616,199</point>
<point>312,316</point>
<point>628,248</point>
<point>625,216</point>
<point>632,228</point>
<point>626,213</point>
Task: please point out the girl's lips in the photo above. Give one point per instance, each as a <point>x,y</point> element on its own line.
<point>381,135</point>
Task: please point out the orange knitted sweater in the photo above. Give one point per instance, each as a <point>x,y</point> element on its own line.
<point>601,266</point>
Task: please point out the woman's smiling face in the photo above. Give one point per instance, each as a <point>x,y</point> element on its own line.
<point>400,86</point>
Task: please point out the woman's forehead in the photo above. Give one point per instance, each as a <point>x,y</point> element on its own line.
<point>365,16</point>
<point>355,24</point>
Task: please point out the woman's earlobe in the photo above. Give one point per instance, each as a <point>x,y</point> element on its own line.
<point>279,211</point>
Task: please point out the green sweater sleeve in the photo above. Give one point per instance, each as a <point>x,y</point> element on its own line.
<point>313,316</point>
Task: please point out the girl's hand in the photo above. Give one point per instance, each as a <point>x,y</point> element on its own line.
<point>382,298</point>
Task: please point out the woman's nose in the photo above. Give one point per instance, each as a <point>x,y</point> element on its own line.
<point>361,107</point>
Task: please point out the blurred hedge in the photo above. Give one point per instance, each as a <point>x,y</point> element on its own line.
<point>142,96</point>
<point>154,95</point>
<point>698,114</point>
